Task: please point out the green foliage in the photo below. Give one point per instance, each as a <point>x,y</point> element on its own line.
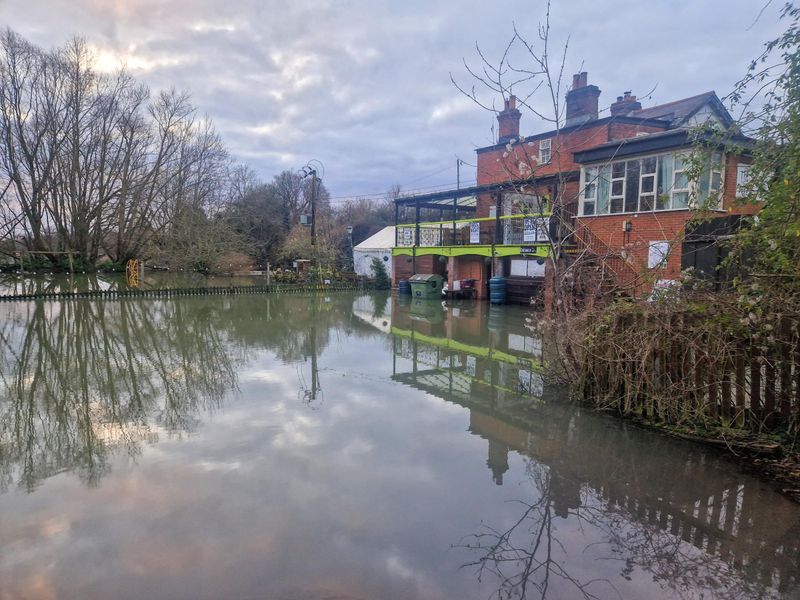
<point>771,249</point>
<point>382,281</point>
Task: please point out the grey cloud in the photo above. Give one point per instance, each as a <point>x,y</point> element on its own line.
<point>364,86</point>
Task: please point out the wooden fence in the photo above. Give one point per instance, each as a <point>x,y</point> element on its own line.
<point>117,294</point>
<point>683,368</point>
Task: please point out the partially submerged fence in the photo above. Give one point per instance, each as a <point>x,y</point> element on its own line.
<point>696,369</point>
<point>116,294</point>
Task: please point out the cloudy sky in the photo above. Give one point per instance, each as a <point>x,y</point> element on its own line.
<point>364,86</point>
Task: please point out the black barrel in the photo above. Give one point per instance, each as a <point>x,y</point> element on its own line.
<point>404,288</point>
<point>497,289</point>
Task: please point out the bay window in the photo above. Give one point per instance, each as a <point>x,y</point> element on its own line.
<point>648,184</point>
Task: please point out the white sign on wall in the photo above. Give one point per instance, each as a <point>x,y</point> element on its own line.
<point>657,255</point>
<point>408,237</point>
<point>474,233</point>
<point>528,230</point>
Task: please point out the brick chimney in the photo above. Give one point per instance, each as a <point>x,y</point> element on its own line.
<point>625,105</point>
<point>581,100</point>
<point>508,121</point>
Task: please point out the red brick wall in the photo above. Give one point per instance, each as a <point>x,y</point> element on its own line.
<point>500,164</point>
<point>729,202</point>
<point>645,228</point>
<point>402,268</point>
<point>660,226</point>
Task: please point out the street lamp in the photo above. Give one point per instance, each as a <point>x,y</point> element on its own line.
<point>350,239</point>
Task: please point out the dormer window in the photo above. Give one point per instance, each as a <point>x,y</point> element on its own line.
<point>544,151</point>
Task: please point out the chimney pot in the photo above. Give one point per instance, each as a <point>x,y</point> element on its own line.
<point>625,105</point>
<point>580,80</point>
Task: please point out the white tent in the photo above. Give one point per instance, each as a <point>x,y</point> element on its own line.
<point>377,246</point>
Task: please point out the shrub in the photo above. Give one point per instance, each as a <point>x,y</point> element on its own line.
<point>382,281</point>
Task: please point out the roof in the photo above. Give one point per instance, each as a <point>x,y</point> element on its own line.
<point>467,196</point>
<point>632,119</point>
<point>678,112</point>
<point>380,241</point>
<point>653,142</point>
<point>669,115</point>
<point>656,142</point>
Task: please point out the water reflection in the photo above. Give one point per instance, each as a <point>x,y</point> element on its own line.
<point>600,491</point>
<point>12,284</point>
<point>350,447</point>
<point>81,379</point>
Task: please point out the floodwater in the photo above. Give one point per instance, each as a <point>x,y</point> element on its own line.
<point>346,447</point>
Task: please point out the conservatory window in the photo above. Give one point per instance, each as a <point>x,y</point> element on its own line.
<point>648,184</point>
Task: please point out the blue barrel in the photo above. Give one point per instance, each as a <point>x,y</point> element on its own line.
<point>404,287</point>
<point>497,289</point>
<point>497,318</point>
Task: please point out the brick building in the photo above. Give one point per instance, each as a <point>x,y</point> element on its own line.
<point>616,186</point>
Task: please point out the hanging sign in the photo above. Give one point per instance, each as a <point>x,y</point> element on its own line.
<point>474,233</point>
<point>408,237</point>
<point>542,226</point>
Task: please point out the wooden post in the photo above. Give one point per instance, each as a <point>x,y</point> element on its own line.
<point>755,383</point>
<point>785,366</point>
<point>740,385</point>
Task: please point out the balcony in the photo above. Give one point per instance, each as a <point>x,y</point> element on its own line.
<point>447,223</point>
<point>521,234</point>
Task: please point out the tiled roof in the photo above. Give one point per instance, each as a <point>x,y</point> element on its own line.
<point>679,111</point>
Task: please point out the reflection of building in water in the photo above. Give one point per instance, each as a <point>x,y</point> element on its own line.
<point>477,360</point>
<point>470,354</point>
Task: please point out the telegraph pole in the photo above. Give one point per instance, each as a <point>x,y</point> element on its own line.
<point>313,207</point>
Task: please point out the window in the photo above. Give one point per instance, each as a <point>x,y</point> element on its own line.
<point>680,184</point>
<point>647,184</point>
<point>589,190</point>
<point>544,151</point>
<point>742,180</point>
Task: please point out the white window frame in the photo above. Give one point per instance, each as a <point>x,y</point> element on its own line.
<point>691,189</point>
<point>674,189</point>
<point>545,145</point>
<point>642,175</point>
<point>611,180</point>
<point>589,179</point>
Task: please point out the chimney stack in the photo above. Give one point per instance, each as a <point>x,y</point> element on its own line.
<point>508,121</point>
<point>625,105</point>
<point>581,100</point>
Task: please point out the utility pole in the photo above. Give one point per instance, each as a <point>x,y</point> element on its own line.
<point>313,207</point>
<point>311,171</point>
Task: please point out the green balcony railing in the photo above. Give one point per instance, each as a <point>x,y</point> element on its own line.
<point>509,230</point>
